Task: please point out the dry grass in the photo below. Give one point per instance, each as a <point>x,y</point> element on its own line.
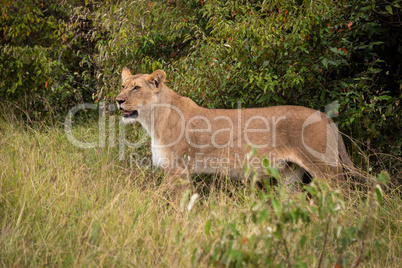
<point>62,205</point>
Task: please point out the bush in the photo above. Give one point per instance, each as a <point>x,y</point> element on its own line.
<point>260,53</point>
<point>45,56</point>
<point>301,230</point>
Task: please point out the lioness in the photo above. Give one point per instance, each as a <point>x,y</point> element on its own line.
<point>188,139</point>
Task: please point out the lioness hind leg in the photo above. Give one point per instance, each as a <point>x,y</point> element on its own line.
<point>321,170</point>
<point>293,176</point>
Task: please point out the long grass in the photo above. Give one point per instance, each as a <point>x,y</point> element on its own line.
<point>61,205</point>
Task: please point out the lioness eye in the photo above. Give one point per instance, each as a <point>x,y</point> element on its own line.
<point>136,88</point>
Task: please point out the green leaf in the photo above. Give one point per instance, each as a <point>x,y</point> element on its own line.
<point>383,177</point>
<point>302,241</point>
<point>95,229</point>
<point>239,259</point>
<point>208,227</point>
<point>263,215</point>
<point>276,206</point>
<point>334,50</point>
<point>254,151</point>
<point>274,172</point>
<point>376,71</point>
<point>389,9</point>
<point>136,216</point>
<point>378,193</point>
<point>301,265</point>
<point>233,228</point>
<point>265,162</point>
<point>325,62</point>
<point>254,218</point>
<point>384,97</point>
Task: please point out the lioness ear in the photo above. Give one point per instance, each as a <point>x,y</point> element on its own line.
<point>125,73</point>
<point>157,78</point>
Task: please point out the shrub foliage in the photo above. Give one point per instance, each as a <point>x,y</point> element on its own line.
<point>219,53</point>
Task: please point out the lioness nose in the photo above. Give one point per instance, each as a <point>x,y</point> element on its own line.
<point>120,101</point>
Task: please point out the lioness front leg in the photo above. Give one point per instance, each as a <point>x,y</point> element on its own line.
<point>179,180</point>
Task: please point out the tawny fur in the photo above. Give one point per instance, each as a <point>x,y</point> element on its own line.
<point>187,138</point>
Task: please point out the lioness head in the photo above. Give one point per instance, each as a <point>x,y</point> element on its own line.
<point>138,92</point>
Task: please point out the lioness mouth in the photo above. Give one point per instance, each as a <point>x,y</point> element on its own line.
<point>131,114</point>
